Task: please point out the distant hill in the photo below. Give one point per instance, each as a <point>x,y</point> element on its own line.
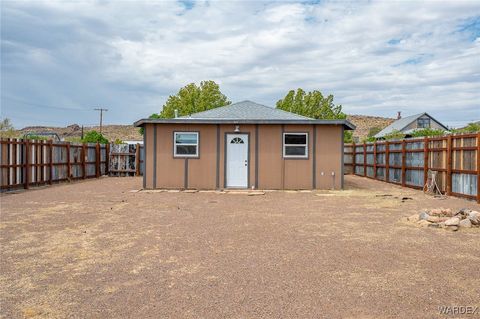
<point>128,132</point>
<point>364,123</point>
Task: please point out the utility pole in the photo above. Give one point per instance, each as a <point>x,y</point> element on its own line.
<point>101,116</point>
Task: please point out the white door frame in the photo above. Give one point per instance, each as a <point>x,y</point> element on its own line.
<point>245,164</point>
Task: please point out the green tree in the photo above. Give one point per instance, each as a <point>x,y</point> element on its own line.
<point>6,125</point>
<point>470,128</point>
<point>192,98</point>
<point>394,135</point>
<point>311,104</point>
<point>315,105</point>
<point>94,137</point>
<point>373,131</point>
<point>348,136</point>
<point>427,132</point>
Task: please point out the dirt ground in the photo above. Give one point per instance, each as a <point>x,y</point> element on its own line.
<point>94,249</point>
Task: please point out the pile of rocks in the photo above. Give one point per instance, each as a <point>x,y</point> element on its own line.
<point>446,218</point>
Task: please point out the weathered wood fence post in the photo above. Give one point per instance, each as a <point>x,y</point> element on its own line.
<point>84,154</point>
<point>97,160</point>
<point>27,165</point>
<point>478,167</point>
<point>449,165</point>
<point>353,158</point>
<point>364,159</point>
<point>425,160</point>
<point>137,160</point>
<point>387,161</point>
<point>50,163</point>
<point>68,162</point>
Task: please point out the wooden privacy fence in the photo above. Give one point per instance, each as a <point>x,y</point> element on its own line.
<point>26,163</point>
<point>126,159</point>
<point>406,162</point>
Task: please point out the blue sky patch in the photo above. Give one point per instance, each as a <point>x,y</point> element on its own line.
<point>471,27</point>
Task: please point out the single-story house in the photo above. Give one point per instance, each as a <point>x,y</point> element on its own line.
<point>409,124</point>
<point>243,145</point>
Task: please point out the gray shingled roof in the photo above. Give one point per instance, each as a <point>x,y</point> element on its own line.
<point>246,110</point>
<point>400,124</point>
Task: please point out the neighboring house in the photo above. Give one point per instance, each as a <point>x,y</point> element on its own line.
<point>243,145</point>
<point>411,123</point>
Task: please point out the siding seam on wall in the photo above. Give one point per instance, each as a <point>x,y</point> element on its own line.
<point>154,156</point>
<point>314,157</point>
<point>145,157</point>
<point>256,156</point>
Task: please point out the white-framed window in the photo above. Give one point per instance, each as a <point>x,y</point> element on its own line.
<point>185,144</point>
<point>295,145</point>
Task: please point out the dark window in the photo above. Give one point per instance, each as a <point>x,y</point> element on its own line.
<point>295,145</point>
<point>423,122</point>
<point>236,140</point>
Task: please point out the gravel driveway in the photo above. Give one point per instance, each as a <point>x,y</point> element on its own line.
<point>95,249</point>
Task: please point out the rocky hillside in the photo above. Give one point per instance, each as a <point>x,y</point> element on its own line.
<point>128,132</point>
<point>364,123</point>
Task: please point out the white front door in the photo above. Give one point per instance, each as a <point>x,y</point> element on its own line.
<point>237,160</point>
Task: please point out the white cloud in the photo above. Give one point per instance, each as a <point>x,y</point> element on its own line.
<point>376,57</point>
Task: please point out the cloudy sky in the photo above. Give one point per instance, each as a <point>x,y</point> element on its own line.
<point>59,59</point>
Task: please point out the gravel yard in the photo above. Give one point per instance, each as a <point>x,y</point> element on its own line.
<point>95,249</point>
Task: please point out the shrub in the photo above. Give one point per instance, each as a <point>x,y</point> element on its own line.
<point>427,132</point>
<point>94,137</point>
<point>394,135</point>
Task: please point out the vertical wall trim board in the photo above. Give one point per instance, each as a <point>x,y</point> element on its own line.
<point>283,160</point>
<point>217,171</point>
<point>343,155</point>
<point>225,160</point>
<point>144,157</point>
<point>185,181</point>
<point>154,156</point>
<point>256,156</point>
<point>314,157</point>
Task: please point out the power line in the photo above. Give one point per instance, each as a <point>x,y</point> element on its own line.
<point>44,105</point>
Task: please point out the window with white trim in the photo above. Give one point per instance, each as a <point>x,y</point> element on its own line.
<point>295,145</point>
<point>185,144</point>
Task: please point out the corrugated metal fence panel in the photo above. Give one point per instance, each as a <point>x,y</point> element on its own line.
<point>408,156</point>
<point>464,184</point>
<point>60,158</point>
<point>414,159</point>
<point>414,177</point>
<point>91,159</point>
<point>47,162</point>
